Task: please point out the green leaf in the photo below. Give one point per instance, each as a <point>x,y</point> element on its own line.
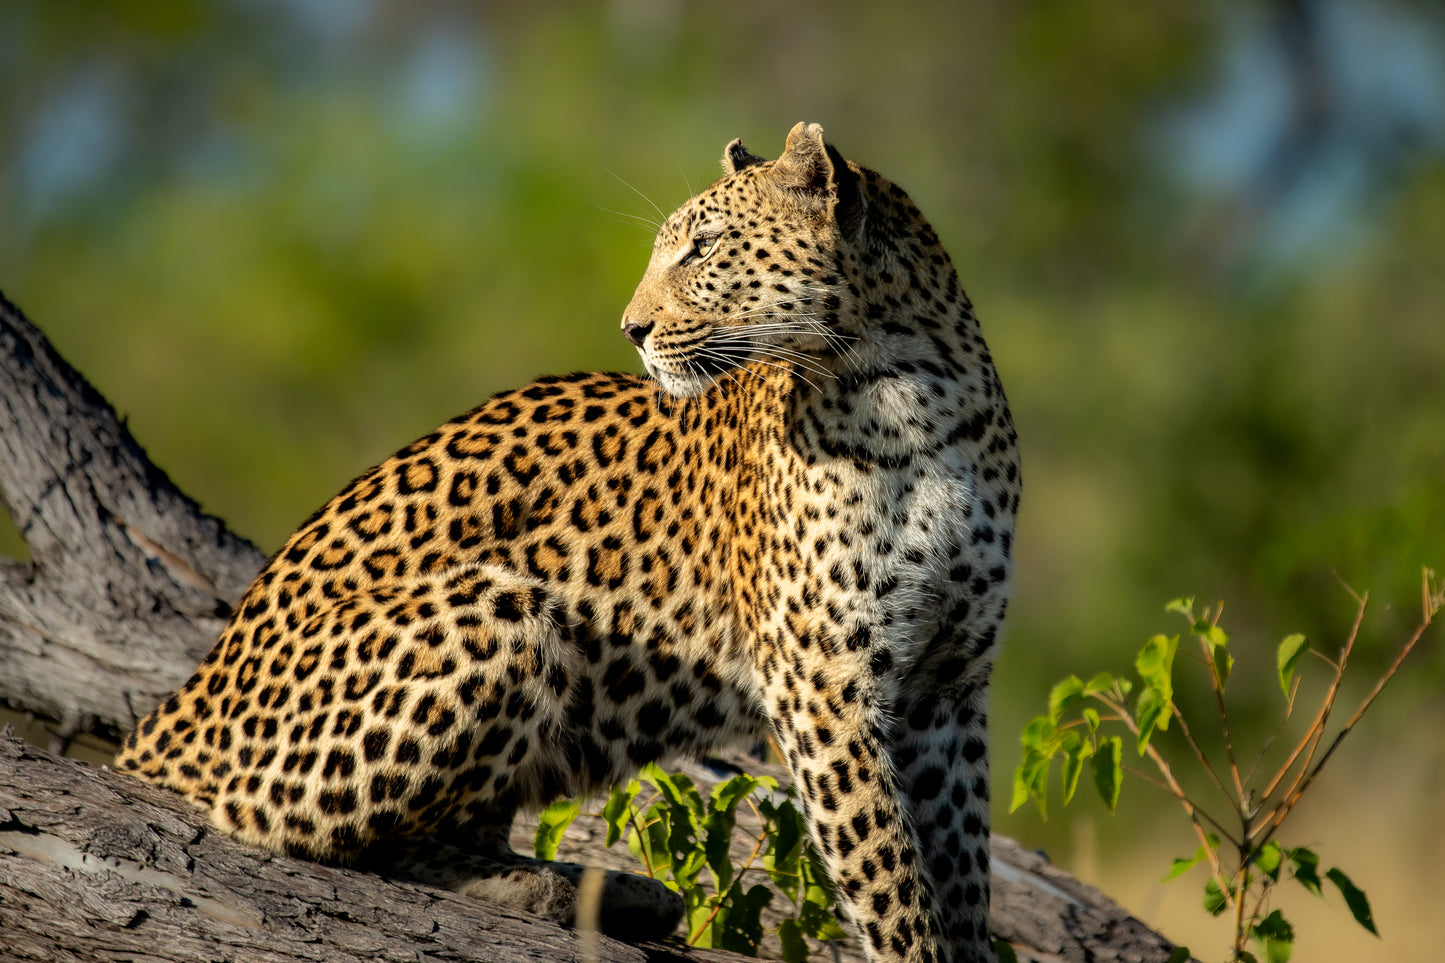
<point>1031,780</point>
<point>1209,633</point>
<point>1354,899</point>
<point>1076,750</point>
<point>1214,901</point>
<point>640,847</point>
<point>649,846</point>
<point>817,889</point>
<point>1091,720</point>
<point>1275,937</point>
<point>1155,662</point>
<point>727,795</point>
<point>654,835</point>
<point>1305,868</point>
<point>1288,654</point>
<point>1184,606</point>
<point>742,929</point>
<point>788,833</point>
<point>1223,665</point>
<point>698,911</point>
<point>719,824</point>
<point>1004,952</point>
<point>1109,770</point>
<point>1152,712</point>
<point>686,864</point>
<point>1103,682</point>
<point>1040,735</point>
<point>1063,695</point>
<point>1180,954</point>
<point>1268,859</point>
<point>684,811</point>
<point>679,792</point>
<point>795,947</point>
<point>1182,866</point>
<point>1215,639</point>
<point>551,824</point>
<point>819,922</point>
<point>783,855</point>
<point>1155,665</point>
<point>618,809</point>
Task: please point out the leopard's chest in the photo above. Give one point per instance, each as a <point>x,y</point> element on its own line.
<point>912,527</point>
<point>878,546</point>
<point>869,497</point>
<point>912,481</point>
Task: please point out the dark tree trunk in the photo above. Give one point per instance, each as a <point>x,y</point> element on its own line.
<point>127,586</point>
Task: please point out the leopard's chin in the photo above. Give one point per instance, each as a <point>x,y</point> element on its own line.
<point>683,386</point>
<point>678,384</point>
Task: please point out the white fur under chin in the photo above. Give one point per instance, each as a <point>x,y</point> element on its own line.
<point>678,385</point>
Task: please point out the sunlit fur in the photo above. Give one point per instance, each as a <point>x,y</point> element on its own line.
<point>800,526</point>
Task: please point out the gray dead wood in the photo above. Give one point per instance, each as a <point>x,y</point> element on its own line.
<point>97,866</point>
<point>128,584</point>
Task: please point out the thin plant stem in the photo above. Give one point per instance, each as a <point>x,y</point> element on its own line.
<point>1308,777</point>
<point>1198,752</point>
<point>1270,739</point>
<point>754,807</point>
<point>692,940</point>
<point>1312,734</point>
<point>1328,705</point>
<point>1240,937</point>
<point>1255,913</point>
<point>1217,684</point>
<point>1172,785</point>
<point>642,840</point>
<point>1224,833</point>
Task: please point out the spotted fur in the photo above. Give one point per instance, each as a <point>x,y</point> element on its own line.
<point>800,525</point>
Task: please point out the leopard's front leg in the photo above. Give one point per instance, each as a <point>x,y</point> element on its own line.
<point>830,719</point>
<point>939,745</point>
<point>938,741</point>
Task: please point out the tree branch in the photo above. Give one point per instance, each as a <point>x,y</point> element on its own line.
<point>129,581</point>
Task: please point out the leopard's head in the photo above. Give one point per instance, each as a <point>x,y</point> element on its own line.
<point>752,268</point>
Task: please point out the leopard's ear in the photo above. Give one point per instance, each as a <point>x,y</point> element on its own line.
<point>816,170</point>
<point>805,165</point>
<point>736,157</point>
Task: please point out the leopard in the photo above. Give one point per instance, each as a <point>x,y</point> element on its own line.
<point>797,526</point>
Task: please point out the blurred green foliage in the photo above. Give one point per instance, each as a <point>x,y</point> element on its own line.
<point>285,238</point>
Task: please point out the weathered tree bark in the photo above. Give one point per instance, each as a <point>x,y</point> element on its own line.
<point>128,584</point>
<point>95,865</point>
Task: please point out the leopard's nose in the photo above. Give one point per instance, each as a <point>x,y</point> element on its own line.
<point>636,333</point>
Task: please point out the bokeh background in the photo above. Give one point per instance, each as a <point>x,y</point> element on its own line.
<point>1207,241</point>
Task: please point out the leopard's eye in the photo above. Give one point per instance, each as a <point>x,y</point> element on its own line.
<point>702,246</point>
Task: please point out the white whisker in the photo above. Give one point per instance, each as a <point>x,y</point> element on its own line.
<point>635,219</point>
<point>660,212</point>
<point>762,352</point>
<point>764,338</point>
<point>791,370</point>
<point>792,321</point>
<point>758,339</point>
<point>774,349</point>
<point>762,311</point>
<point>685,179</point>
